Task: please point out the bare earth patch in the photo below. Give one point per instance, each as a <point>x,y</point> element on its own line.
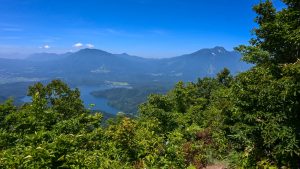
<point>216,166</point>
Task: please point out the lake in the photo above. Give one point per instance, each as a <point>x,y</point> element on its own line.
<point>88,99</point>
<point>100,103</point>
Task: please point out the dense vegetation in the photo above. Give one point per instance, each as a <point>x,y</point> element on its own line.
<point>246,121</point>
<point>128,99</point>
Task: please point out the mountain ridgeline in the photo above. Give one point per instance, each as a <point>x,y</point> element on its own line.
<point>95,66</point>
<point>247,120</point>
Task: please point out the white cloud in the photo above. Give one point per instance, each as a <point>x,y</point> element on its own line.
<point>45,47</point>
<point>78,45</point>
<point>89,45</point>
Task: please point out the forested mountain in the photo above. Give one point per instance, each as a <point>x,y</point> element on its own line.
<point>247,120</point>
<point>205,62</point>
<point>94,67</point>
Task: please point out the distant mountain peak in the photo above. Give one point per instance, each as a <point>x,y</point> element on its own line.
<point>209,51</point>
<point>126,54</point>
<point>219,49</point>
<point>92,51</point>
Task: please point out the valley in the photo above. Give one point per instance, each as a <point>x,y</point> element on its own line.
<point>140,84</point>
<point>124,80</point>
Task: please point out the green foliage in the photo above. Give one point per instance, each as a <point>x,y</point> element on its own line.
<point>278,36</point>
<point>250,120</point>
<point>128,99</point>
<point>55,131</point>
<point>266,98</point>
<point>266,115</point>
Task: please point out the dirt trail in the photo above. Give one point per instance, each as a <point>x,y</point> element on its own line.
<point>216,166</point>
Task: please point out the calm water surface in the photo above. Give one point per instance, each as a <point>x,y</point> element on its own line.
<point>88,99</point>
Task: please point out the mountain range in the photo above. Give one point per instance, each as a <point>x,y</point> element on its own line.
<point>96,67</point>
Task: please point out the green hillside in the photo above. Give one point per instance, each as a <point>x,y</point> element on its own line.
<point>249,120</point>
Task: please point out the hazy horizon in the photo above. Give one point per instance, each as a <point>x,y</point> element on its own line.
<point>17,55</point>
<point>146,28</point>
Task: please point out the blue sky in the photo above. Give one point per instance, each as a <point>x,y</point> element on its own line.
<point>148,28</point>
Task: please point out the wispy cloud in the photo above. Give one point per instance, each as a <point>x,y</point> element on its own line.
<point>45,47</point>
<point>90,45</point>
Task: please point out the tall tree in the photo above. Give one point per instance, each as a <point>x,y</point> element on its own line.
<point>266,98</point>
<point>277,39</point>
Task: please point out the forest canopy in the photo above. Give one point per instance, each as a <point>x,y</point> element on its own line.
<point>245,121</point>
